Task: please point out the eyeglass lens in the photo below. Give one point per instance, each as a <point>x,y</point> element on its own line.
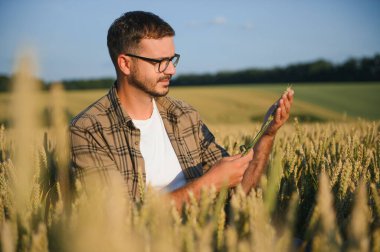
<point>165,63</point>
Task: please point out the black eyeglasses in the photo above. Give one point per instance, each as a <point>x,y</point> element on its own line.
<point>163,63</point>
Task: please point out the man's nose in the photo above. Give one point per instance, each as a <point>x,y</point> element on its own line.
<point>170,69</point>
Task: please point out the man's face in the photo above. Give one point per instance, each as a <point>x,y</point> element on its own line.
<point>144,74</point>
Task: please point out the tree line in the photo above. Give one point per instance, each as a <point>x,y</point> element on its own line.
<point>352,70</point>
<point>363,69</point>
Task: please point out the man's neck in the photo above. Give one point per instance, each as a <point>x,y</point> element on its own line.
<point>136,102</point>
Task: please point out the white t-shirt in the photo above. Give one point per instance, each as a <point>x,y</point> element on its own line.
<point>162,167</point>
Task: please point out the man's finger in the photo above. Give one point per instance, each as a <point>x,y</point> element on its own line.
<point>245,159</point>
<point>287,105</point>
<point>283,115</point>
<point>290,96</point>
<point>277,118</point>
<point>284,112</point>
<point>249,155</point>
<point>281,108</point>
<point>233,157</point>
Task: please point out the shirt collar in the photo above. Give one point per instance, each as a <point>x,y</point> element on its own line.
<point>121,115</point>
<point>167,108</point>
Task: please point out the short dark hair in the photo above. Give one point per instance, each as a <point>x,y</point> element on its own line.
<point>126,32</point>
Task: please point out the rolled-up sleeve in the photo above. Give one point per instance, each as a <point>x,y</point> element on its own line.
<point>210,150</point>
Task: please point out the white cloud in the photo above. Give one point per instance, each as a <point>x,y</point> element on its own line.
<point>219,21</point>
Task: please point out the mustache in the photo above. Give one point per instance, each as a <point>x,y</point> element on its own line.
<point>164,78</point>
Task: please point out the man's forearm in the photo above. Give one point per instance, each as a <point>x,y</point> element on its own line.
<point>228,171</point>
<point>181,195</point>
<point>257,166</point>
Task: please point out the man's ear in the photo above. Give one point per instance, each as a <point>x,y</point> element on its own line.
<point>124,63</point>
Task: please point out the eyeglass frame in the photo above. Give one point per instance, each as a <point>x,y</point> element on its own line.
<point>159,61</point>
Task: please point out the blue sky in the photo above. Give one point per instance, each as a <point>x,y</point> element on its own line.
<point>69,36</point>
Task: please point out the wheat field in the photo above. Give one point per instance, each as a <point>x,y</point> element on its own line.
<point>320,192</point>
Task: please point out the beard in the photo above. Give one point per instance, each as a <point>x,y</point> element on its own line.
<point>149,86</point>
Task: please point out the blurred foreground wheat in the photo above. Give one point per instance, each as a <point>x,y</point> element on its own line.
<point>321,193</point>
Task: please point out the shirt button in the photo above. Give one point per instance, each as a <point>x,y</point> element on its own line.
<point>136,143</point>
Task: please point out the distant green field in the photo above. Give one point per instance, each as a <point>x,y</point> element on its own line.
<point>317,102</point>
<point>356,99</point>
<point>248,103</point>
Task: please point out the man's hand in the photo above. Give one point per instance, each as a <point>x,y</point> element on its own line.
<point>228,171</point>
<point>282,113</point>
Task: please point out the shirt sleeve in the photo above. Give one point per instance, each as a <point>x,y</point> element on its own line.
<point>211,151</point>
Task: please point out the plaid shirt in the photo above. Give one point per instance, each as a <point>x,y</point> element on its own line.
<point>104,140</point>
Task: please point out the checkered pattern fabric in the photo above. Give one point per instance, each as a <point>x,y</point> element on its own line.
<point>105,140</point>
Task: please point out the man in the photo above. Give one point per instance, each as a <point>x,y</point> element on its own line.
<point>136,128</point>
